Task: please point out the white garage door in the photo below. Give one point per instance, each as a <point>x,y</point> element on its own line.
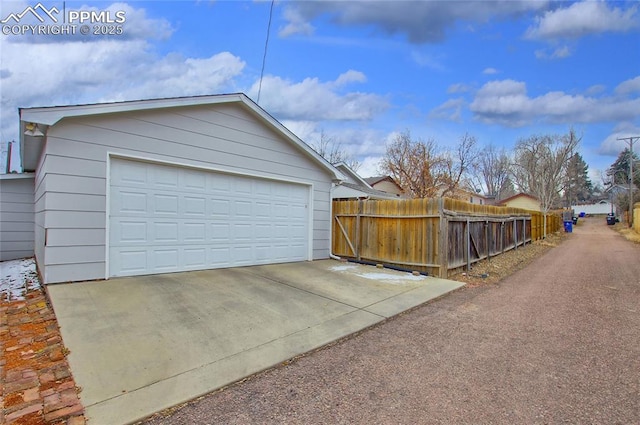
<point>166,219</point>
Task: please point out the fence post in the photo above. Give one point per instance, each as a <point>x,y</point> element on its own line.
<point>468,245</point>
<point>358,237</point>
<point>487,236</point>
<point>443,241</point>
<point>515,234</point>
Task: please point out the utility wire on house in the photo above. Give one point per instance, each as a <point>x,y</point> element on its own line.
<point>264,56</point>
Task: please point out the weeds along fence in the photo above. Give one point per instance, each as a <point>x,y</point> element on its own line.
<point>432,235</point>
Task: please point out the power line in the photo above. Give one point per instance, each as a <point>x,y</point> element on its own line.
<point>264,56</point>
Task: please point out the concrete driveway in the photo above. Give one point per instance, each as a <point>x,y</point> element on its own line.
<point>139,345</point>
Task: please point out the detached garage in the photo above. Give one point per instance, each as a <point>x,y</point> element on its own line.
<point>170,185</point>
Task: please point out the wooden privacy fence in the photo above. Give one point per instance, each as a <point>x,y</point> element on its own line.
<point>432,235</point>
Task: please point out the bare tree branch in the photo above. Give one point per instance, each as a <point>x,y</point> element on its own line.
<point>333,151</point>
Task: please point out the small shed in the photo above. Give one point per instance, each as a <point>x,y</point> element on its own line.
<point>169,185</point>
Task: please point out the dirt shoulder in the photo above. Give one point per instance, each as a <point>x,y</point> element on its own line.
<point>497,268</point>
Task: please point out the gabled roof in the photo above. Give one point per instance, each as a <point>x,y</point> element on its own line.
<point>348,190</point>
<point>352,175</point>
<point>519,195</point>
<point>48,116</point>
<point>378,179</point>
<point>356,187</point>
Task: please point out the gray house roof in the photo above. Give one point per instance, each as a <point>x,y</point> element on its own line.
<point>355,186</point>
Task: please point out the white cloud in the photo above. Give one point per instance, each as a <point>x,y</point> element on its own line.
<point>350,76</point>
<point>450,110</point>
<point>459,88</point>
<point>558,53</point>
<point>583,18</point>
<point>311,99</point>
<point>421,21</point>
<point>612,146</point>
<point>507,103</point>
<point>296,24</point>
<point>106,70</point>
<point>490,71</point>
<point>140,26</point>
<point>427,61</point>
<point>595,89</point>
<point>629,86</point>
<point>370,166</point>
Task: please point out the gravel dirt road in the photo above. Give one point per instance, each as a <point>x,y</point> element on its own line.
<point>556,342</point>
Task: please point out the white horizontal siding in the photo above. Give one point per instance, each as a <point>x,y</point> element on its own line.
<point>59,219</point>
<point>72,272</point>
<point>76,237</point>
<point>80,201</point>
<point>16,218</point>
<point>80,254</point>
<point>56,164</point>
<point>74,184</point>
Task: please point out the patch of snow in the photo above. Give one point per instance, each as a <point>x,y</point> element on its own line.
<point>17,277</point>
<point>399,276</point>
<point>343,268</point>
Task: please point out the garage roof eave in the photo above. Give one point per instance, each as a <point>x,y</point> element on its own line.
<point>50,115</point>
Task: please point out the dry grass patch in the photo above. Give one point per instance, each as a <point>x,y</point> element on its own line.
<point>629,233</point>
<point>497,268</point>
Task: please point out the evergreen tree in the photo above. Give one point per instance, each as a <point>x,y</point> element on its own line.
<point>578,186</point>
<point>618,173</point>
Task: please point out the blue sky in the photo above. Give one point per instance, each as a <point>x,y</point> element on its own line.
<point>358,71</point>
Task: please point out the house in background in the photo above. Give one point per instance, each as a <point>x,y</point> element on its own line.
<point>355,187</point>
<point>522,200</point>
<point>165,185</point>
<point>471,197</point>
<point>385,184</point>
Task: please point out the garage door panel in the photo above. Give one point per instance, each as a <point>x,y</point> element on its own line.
<point>131,175</point>
<point>164,205</point>
<point>194,181</point>
<point>195,232</point>
<point>130,202</point>
<point>129,232</point>
<point>242,186</point>
<point>165,259</point>
<point>164,232</point>
<point>164,178</point>
<point>165,219</point>
<point>129,261</point>
<point>194,206</point>
<point>220,208</point>
<point>195,258</point>
<point>243,209</point>
<point>220,232</point>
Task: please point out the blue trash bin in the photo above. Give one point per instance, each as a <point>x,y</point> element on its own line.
<point>568,226</point>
